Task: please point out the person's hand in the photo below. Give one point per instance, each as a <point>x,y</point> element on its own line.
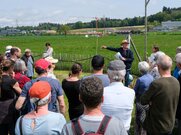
<point>16,85</point>
<point>122,58</point>
<point>104,47</point>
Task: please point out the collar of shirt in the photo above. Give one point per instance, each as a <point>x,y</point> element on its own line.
<point>116,83</point>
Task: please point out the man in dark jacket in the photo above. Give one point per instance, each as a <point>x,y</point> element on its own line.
<point>126,55</point>
<point>29,61</point>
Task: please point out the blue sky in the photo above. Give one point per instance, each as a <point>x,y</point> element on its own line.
<point>33,12</point>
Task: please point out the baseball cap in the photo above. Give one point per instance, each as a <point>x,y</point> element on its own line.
<point>42,63</point>
<point>116,65</point>
<point>8,47</point>
<point>40,90</point>
<point>51,59</point>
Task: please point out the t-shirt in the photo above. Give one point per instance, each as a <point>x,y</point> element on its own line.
<point>71,89</point>
<point>21,79</point>
<point>56,90</point>
<point>162,97</point>
<point>92,123</point>
<point>50,124</point>
<point>104,78</point>
<point>7,90</point>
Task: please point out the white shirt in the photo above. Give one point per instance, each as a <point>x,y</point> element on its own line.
<point>118,102</point>
<point>48,53</point>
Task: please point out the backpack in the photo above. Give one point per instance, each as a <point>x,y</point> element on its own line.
<point>101,130</point>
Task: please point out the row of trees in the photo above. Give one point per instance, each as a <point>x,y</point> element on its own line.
<point>173,14</point>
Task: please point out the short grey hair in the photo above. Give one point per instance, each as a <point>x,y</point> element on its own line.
<point>41,102</point>
<point>19,66</point>
<point>115,75</point>
<point>158,54</point>
<point>164,62</point>
<point>178,58</point>
<point>143,67</point>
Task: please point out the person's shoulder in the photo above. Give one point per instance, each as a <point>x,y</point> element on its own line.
<point>56,115</point>
<point>115,125</point>
<point>64,80</point>
<point>115,120</point>
<point>130,90</point>
<point>49,80</point>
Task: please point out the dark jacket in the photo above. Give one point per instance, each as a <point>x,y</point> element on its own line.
<point>178,114</point>
<point>25,59</point>
<point>129,55</point>
<point>163,97</point>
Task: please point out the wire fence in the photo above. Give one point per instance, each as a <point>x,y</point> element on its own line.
<point>66,60</point>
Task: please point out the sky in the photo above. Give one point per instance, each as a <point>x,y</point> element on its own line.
<point>33,12</point>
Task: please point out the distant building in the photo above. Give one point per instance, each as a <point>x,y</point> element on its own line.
<point>170,25</point>
<point>12,32</point>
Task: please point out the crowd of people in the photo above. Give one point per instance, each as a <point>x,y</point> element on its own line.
<point>98,103</point>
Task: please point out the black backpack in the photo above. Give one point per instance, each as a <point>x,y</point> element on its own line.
<point>101,130</point>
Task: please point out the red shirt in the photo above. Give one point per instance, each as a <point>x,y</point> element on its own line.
<point>21,79</point>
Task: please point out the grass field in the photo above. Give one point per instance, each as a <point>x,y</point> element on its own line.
<point>79,45</point>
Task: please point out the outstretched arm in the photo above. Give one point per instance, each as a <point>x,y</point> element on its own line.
<point>110,48</point>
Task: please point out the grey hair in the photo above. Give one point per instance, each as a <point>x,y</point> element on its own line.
<point>164,62</point>
<point>143,67</point>
<point>158,54</point>
<point>19,66</point>
<point>41,102</point>
<point>116,75</point>
<point>178,58</point>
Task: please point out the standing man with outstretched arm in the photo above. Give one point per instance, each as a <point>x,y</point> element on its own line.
<point>126,55</point>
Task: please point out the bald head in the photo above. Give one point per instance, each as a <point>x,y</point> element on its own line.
<point>164,62</point>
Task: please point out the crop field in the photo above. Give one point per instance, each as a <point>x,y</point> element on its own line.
<point>72,48</point>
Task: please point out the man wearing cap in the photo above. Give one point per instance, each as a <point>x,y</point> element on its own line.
<point>52,67</point>
<point>41,68</point>
<point>29,61</point>
<point>7,53</point>
<point>40,121</point>
<point>118,99</point>
<point>126,56</point>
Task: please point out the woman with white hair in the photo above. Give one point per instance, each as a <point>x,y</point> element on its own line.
<point>19,69</point>
<point>153,66</point>
<point>141,86</point>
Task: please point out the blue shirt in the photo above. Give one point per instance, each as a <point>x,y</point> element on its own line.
<point>50,124</point>
<point>56,90</point>
<point>142,85</point>
<point>30,68</point>
<point>104,78</point>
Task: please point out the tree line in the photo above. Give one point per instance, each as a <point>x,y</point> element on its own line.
<point>173,14</point>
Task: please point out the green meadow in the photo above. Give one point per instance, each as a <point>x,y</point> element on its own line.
<point>73,46</point>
